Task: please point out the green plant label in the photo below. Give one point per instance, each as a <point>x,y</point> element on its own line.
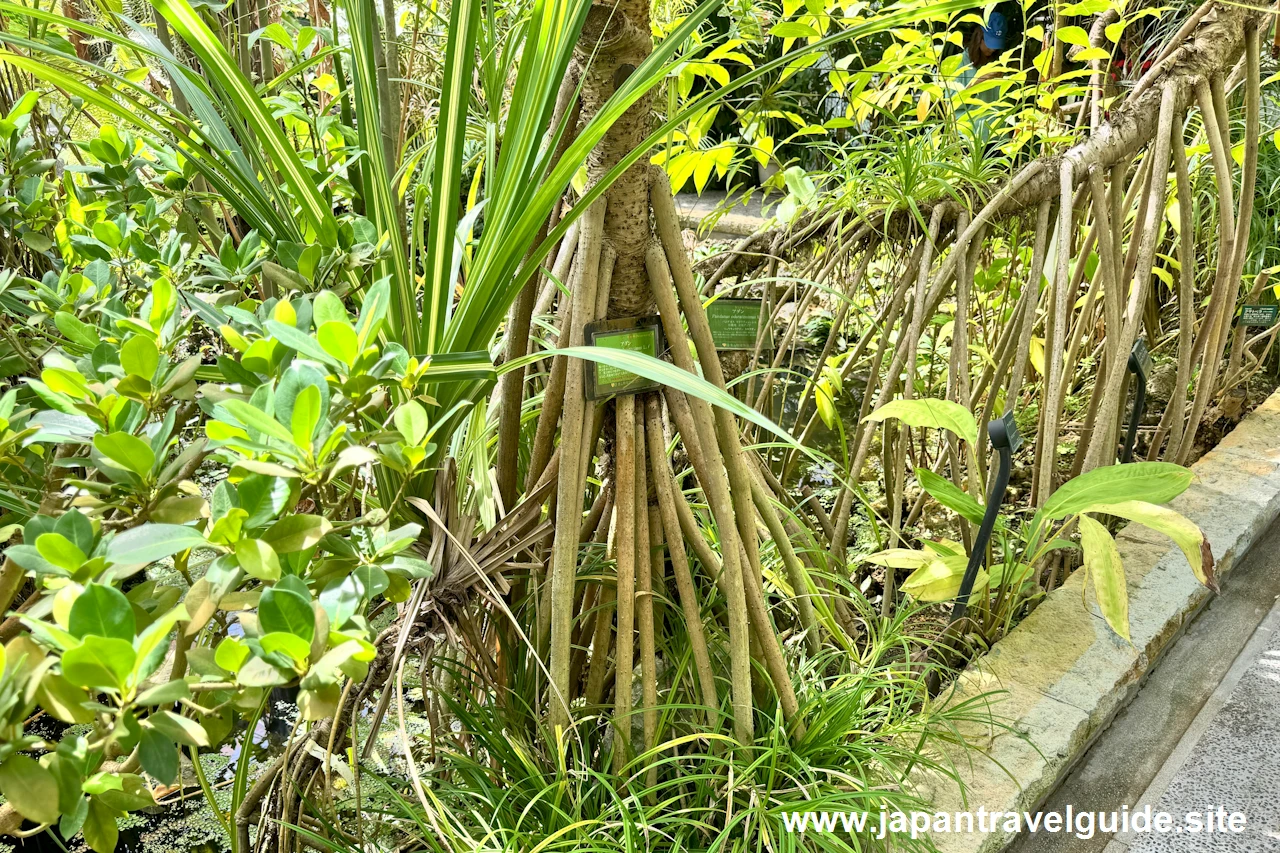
<point>1258,315</point>
<point>636,334</point>
<point>735,323</point>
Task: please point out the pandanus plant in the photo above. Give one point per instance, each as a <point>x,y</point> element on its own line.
<point>451,283</point>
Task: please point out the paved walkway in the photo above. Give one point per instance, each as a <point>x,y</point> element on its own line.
<point>1228,758</point>
<point>738,221</point>
<point>1203,731</point>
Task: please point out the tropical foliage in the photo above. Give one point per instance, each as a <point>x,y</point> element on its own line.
<point>297,314</point>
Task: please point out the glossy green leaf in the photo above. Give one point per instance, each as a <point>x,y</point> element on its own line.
<point>940,579</point>
<point>103,611</point>
<point>339,341</point>
<point>296,532</point>
<point>150,542</point>
<point>305,416</point>
<point>282,609</point>
<point>935,414</point>
<point>1153,482</point>
<point>949,495</point>
<point>179,728</point>
<point>139,356</point>
<point>159,756</point>
<point>100,830</point>
<point>102,662</point>
<point>258,559</point>
<point>30,788</point>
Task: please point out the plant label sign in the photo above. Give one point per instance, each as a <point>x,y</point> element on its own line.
<point>1258,315</point>
<point>735,324</point>
<point>635,334</point>
<point>1140,358</point>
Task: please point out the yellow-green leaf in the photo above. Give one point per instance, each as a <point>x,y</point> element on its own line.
<point>1102,562</point>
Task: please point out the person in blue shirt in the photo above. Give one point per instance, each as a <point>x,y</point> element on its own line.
<point>982,46</point>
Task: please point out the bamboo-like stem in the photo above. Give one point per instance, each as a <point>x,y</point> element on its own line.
<point>602,634</point>
<point>1055,335</point>
<point>1222,299</point>
<point>392,36</point>
<point>265,57</point>
<point>1102,444</point>
<point>1249,170</point>
<point>1107,273</point>
<point>665,486</point>
<point>572,478</point>
<point>837,325</point>
<point>803,588</point>
<point>624,666</point>
<point>644,594</point>
<point>902,353</point>
<point>710,471</point>
<point>1030,298</point>
<point>553,393</point>
<point>1177,406</point>
<point>667,225</point>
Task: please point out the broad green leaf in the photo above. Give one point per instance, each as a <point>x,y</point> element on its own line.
<point>159,756</point>
<point>949,495</point>
<point>62,700</point>
<point>258,559</point>
<point>1074,35</point>
<point>940,579</point>
<point>1182,530</point>
<point>326,670</point>
<point>327,306</point>
<point>302,342</point>
<point>1153,482</point>
<point>339,340</point>
<point>128,451</point>
<point>937,414</point>
<point>30,788</point>
<point>263,498</point>
<point>257,672</point>
<point>256,419</point>
<point>282,609</point>
<point>1102,562</point>
<point>231,654</point>
<point>899,558</point>
<point>411,421</point>
<point>150,542</point>
<point>152,644</point>
<point>293,647</point>
<point>76,329</point>
<point>179,728</point>
<point>306,416</point>
<point>164,694</point>
<point>102,662</point>
<point>140,357</point>
<point>296,533</point>
<point>100,831</point>
<point>103,611</point>
<point>60,551</point>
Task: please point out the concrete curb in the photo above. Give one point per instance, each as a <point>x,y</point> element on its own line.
<point>1061,675</point>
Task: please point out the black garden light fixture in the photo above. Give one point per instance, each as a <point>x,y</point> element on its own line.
<point>1140,367</point>
<point>1004,440</point>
